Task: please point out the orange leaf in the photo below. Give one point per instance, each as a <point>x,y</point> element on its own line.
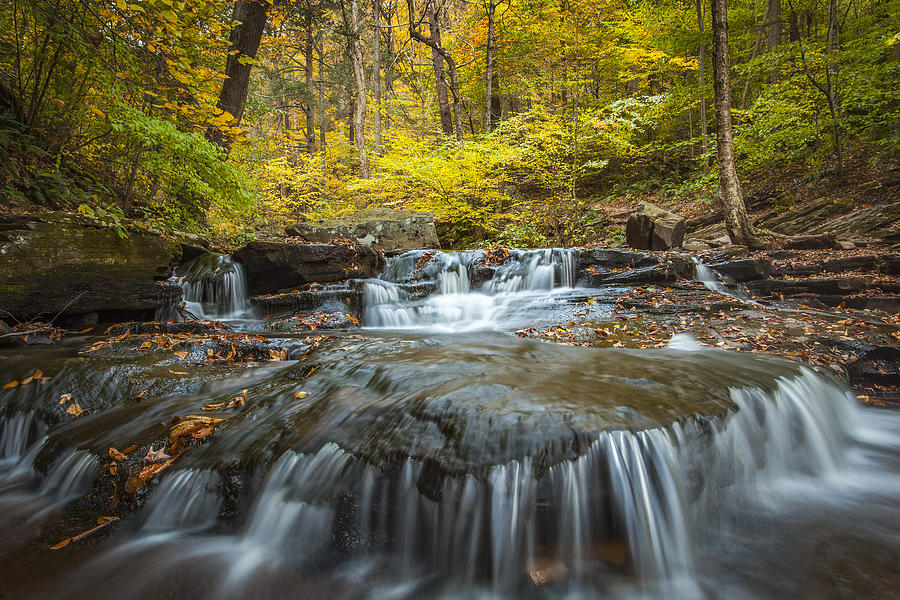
<point>116,455</point>
<point>11,384</point>
<point>74,409</point>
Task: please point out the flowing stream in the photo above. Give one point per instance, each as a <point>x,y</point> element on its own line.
<point>433,454</point>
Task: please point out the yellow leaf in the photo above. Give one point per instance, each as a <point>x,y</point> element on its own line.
<point>120,4</point>
<point>96,111</point>
<point>301,395</point>
<point>177,372</point>
<point>74,409</point>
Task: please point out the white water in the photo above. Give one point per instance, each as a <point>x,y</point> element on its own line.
<point>708,278</point>
<point>666,498</point>
<point>213,291</point>
<point>528,281</point>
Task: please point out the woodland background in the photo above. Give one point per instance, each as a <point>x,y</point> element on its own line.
<point>519,122</point>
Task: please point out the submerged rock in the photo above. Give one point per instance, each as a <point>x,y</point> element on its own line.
<point>382,228</point>
<point>54,263</point>
<point>276,266</point>
<point>653,228</point>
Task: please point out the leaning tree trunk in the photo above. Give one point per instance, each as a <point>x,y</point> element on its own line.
<point>736,221</point>
<point>250,16</point>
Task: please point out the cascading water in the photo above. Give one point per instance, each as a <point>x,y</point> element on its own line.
<point>512,293</point>
<point>404,464</point>
<point>214,287</point>
<point>708,278</point>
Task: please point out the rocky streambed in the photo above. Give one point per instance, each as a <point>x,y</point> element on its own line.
<point>358,427</point>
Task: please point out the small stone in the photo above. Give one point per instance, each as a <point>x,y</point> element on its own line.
<point>845,245</point>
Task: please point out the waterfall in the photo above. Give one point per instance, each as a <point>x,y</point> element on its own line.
<point>708,277</point>
<point>214,287</point>
<point>626,500</point>
<point>186,501</point>
<point>514,288</point>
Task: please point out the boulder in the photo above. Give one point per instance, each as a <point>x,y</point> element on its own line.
<point>383,228</point>
<point>747,269</point>
<point>653,228</point>
<point>63,263</point>
<point>274,266</point>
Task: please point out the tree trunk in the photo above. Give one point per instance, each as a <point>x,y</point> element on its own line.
<point>308,73</point>
<point>376,80</point>
<point>437,52</point>
<point>321,92</point>
<point>773,18</point>
<point>251,17</point>
<point>831,78</point>
<point>754,54</point>
<point>736,221</point>
<point>489,66</point>
<point>359,76</point>
<point>704,119</point>
<point>434,37</point>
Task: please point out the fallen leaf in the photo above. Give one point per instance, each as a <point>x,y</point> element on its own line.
<point>141,395</point>
<point>130,448</point>
<point>74,409</point>
<point>116,455</point>
<point>182,355</point>
<point>177,372</point>
<point>101,523</point>
<point>202,433</point>
<point>154,456</point>
<point>216,406</point>
<point>353,319</point>
<point>65,398</point>
<point>113,469</point>
<point>301,395</point>
<point>86,330</point>
<point>11,384</point>
<point>187,427</point>
<point>133,484</point>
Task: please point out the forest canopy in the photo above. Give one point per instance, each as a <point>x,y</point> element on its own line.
<point>513,121</point>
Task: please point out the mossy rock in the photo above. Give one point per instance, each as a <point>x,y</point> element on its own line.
<point>58,262</point>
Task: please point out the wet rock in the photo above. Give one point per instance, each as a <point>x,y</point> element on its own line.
<point>4,328</point>
<point>839,286</point>
<point>611,258</point>
<point>192,245</point>
<point>889,304</point>
<point>653,228</point>
<point>642,276</point>
<point>335,296</point>
<point>165,327</point>
<point>274,266</point>
<point>748,269</point>
<point>61,262</point>
<point>875,365</point>
<point>382,228</point>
